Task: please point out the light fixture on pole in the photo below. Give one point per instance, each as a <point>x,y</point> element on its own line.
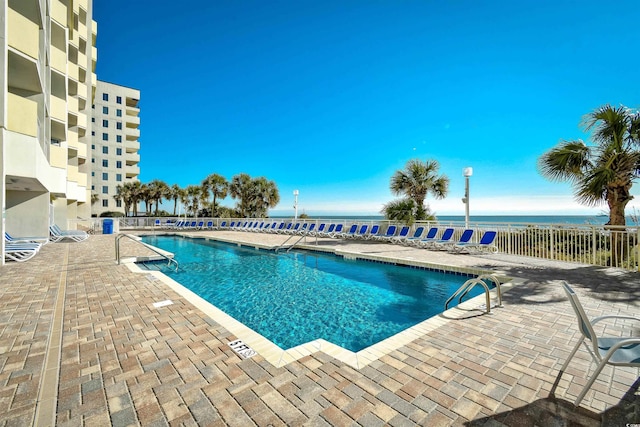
<point>295,203</point>
<point>466,172</point>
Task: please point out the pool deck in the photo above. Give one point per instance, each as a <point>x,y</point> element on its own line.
<point>83,344</point>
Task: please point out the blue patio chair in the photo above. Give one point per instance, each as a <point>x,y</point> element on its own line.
<point>374,232</point>
<point>441,244</point>
<point>391,231</point>
<point>447,234</point>
<point>404,232</point>
<point>416,236</point>
<point>347,234</point>
<point>430,237</point>
<point>486,244</point>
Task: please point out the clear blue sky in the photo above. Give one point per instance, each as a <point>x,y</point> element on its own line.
<point>332,97</point>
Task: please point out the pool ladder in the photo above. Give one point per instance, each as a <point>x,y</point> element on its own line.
<point>470,284</point>
<point>295,243</point>
<point>151,248</point>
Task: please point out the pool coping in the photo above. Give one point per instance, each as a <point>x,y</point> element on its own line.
<point>357,360</point>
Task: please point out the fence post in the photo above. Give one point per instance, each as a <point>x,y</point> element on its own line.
<point>551,240</point>
<point>594,244</point>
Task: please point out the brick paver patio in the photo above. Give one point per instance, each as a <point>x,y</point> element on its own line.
<point>82,344</point>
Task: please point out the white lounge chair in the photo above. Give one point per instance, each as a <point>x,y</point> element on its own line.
<point>18,253</point>
<point>11,239</point>
<point>58,235</point>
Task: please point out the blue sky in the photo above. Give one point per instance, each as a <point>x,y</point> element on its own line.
<point>332,97</point>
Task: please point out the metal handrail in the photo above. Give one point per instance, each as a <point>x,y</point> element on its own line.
<point>139,240</point>
<point>291,237</point>
<point>470,284</point>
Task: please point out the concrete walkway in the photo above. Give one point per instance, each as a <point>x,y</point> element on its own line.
<point>81,343</point>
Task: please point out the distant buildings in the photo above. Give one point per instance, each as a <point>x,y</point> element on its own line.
<point>114,145</point>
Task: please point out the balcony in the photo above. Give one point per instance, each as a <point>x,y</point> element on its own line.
<point>132,134</point>
<point>132,159</point>
<point>132,146</point>
<point>58,60</point>
<point>132,172</point>
<point>59,12</point>
<point>72,139</point>
<point>74,72</point>
<point>72,173</point>
<point>23,34</point>
<point>132,122</point>
<point>58,157</point>
<point>58,108</point>
<point>22,115</point>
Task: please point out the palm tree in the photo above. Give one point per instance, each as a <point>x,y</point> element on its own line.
<point>218,186</point>
<point>415,181</point>
<point>193,198</point>
<point>175,194</point>
<point>157,191</point>
<point>123,194</point>
<point>604,172</point>
<point>240,188</point>
<point>135,195</point>
<point>265,195</point>
<point>94,198</point>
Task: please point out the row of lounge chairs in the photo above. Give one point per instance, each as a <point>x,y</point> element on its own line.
<point>20,249</point>
<point>375,232</point>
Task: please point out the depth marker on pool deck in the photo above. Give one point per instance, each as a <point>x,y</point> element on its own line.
<point>242,349</point>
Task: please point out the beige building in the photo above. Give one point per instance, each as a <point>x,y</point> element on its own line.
<point>115,144</point>
<point>48,59</point>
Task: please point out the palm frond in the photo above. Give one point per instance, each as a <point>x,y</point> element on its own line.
<point>566,162</point>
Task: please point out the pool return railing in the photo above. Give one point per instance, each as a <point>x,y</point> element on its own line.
<point>470,284</point>
<point>284,244</point>
<point>139,240</point>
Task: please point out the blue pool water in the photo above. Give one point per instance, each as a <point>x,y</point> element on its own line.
<point>298,297</point>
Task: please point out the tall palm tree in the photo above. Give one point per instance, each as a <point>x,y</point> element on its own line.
<point>193,199</point>
<point>218,186</point>
<point>240,188</point>
<point>415,181</point>
<point>157,191</point>
<point>175,193</point>
<point>135,195</point>
<point>604,172</point>
<point>123,194</point>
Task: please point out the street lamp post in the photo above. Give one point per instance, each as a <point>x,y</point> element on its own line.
<point>295,203</point>
<point>466,172</point>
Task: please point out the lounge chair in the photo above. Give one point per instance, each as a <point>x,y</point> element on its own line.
<point>320,230</point>
<point>285,230</point>
<point>465,237</point>
<point>279,228</point>
<point>294,229</point>
<point>486,244</point>
<point>222,226</point>
<point>12,239</point>
<point>330,230</point>
<point>391,231</point>
<point>309,230</point>
<point>347,234</point>
<point>18,254</point>
<point>361,233</point>
<point>374,232</point>
<point>404,232</point>
<point>337,230</point>
<point>615,351</point>
<point>200,225</point>
<point>209,225</point>
<point>447,234</point>
<point>417,235</point>
<point>58,235</point>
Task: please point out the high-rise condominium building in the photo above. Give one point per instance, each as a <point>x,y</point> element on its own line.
<point>48,81</point>
<point>115,144</point>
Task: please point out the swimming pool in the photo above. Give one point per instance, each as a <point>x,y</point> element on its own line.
<point>298,297</point>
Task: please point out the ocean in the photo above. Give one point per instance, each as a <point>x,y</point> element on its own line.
<point>511,219</point>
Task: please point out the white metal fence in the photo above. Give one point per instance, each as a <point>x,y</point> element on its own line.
<point>590,244</point>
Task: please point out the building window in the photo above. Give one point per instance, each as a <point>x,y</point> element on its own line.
<point>119,112</point>
<point>105,163</point>
<point>93,174</point>
<point>119,164</point>
<point>93,133</point>
<point>105,150</point>
<point>105,136</point>
<point>105,176</point>
<point>118,203</point>
<point>105,203</point>
<point>93,146</point>
<point>119,99</point>
<point>93,160</point>
<point>105,96</point>
<point>105,189</point>
<point>119,125</point>
<point>118,177</point>
<point>93,119</point>
<point>105,110</point>
<point>93,187</point>
<point>118,138</point>
<point>105,123</point>
<point>118,151</point>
